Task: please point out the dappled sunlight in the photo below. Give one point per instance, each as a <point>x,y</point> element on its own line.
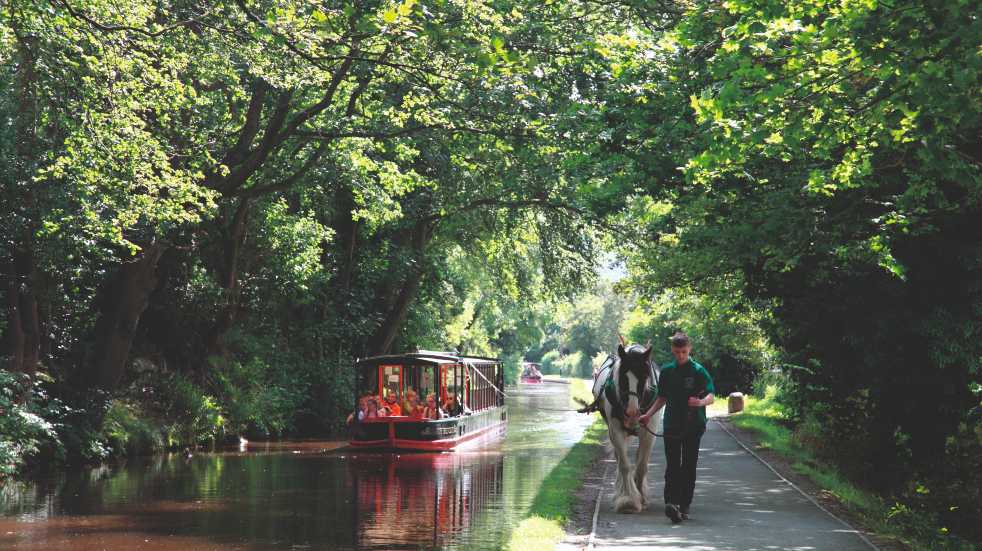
<point>738,504</point>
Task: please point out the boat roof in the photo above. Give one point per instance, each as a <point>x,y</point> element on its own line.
<point>428,357</point>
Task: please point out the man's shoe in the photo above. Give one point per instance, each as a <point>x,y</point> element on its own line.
<point>684,512</point>
<point>672,512</point>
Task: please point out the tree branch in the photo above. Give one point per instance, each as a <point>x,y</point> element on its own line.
<point>124,28</point>
<point>256,191</point>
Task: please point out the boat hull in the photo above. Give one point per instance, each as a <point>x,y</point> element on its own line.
<point>404,433</point>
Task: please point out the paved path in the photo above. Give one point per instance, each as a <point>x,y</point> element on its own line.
<point>740,504</point>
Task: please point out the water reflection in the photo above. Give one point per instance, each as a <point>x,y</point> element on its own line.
<point>424,500</point>
<point>300,495</point>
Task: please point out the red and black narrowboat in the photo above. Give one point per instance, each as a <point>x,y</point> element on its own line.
<point>474,380</point>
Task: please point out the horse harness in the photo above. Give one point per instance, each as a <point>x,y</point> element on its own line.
<point>618,407</point>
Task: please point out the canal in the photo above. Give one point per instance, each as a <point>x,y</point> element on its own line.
<point>302,495</point>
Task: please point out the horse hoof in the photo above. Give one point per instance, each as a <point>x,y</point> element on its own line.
<point>627,505</point>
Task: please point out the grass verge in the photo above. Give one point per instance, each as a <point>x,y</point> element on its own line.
<point>542,527</point>
<point>764,417</point>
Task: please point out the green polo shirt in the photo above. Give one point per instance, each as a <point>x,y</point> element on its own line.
<point>676,384</point>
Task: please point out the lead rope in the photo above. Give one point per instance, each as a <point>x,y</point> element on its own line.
<point>654,377</point>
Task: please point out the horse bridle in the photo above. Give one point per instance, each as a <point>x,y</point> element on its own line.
<point>651,374</point>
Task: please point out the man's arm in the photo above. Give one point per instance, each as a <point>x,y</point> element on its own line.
<point>700,402</point>
<point>659,403</point>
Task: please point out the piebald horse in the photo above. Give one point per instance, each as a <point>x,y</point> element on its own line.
<point>623,388</point>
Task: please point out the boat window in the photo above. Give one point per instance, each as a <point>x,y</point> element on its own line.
<point>367,382</point>
<point>422,379</point>
<point>390,379</point>
<point>453,382</point>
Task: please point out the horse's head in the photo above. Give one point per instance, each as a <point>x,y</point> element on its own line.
<point>633,375</point>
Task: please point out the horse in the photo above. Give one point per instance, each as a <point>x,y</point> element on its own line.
<point>623,388</point>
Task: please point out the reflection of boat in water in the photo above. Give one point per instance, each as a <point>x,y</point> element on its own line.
<point>531,373</point>
<point>413,501</point>
<point>475,381</point>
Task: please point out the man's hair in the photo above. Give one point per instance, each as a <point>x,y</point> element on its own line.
<point>679,339</point>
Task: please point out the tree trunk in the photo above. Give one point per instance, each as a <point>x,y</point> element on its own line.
<point>23,342</point>
<point>346,229</point>
<point>381,342</point>
<point>397,310</point>
<point>123,299</point>
<point>232,243</point>
<point>23,328</point>
<point>14,343</point>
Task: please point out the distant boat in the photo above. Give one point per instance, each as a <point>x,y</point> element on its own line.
<point>531,373</point>
<point>476,381</point>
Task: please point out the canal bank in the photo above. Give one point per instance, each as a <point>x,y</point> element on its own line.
<point>557,503</point>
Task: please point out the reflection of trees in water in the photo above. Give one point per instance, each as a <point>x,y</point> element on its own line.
<point>25,498</point>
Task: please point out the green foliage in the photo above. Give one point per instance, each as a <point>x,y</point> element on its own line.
<point>550,362</point>
<point>576,364</point>
<point>580,331</point>
<point>919,514</point>
<point>25,426</point>
<point>254,404</point>
<point>195,416</point>
<point>129,430</point>
<point>726,337</point>
<point>294,245</point>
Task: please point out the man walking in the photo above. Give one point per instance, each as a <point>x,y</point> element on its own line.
<point>686,388</point>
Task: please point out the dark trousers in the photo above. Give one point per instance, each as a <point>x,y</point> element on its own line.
<point>681,455</point>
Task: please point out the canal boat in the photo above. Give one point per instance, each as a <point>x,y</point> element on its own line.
<point>475,381</point>
<point>531,374</point>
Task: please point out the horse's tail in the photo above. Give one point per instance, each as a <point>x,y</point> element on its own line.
<point>587,408</point>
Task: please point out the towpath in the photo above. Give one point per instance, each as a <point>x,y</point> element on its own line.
<point>740,504</point>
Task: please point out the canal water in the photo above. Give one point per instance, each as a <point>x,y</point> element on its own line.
<point>302,495</point>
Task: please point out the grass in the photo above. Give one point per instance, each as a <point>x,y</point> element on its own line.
<point>581,390</point>
<point>764,417</point>
<point>542,527</point>
<point>718,407</point>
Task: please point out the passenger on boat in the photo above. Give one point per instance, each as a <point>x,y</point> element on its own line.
<point>431,410</point>
<point>359,413</point>
<point>452,406</point>
<point>413,408</point>
<point>407,407</point>
<point>391,405</point>
<point>372,410</point>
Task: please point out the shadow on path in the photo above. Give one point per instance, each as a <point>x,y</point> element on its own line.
<point>739,504</point>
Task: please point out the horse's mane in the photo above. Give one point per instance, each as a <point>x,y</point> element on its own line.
<point>634,350</point>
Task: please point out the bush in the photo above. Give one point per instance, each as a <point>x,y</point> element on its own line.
<point>26,430</point>
<point>194,417</point>
<point>941,506</point>
<point>576,364</point>
<point>128,430</point>
<point>255,402</point>
<point>550,362</point>
<point>512,365</point>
